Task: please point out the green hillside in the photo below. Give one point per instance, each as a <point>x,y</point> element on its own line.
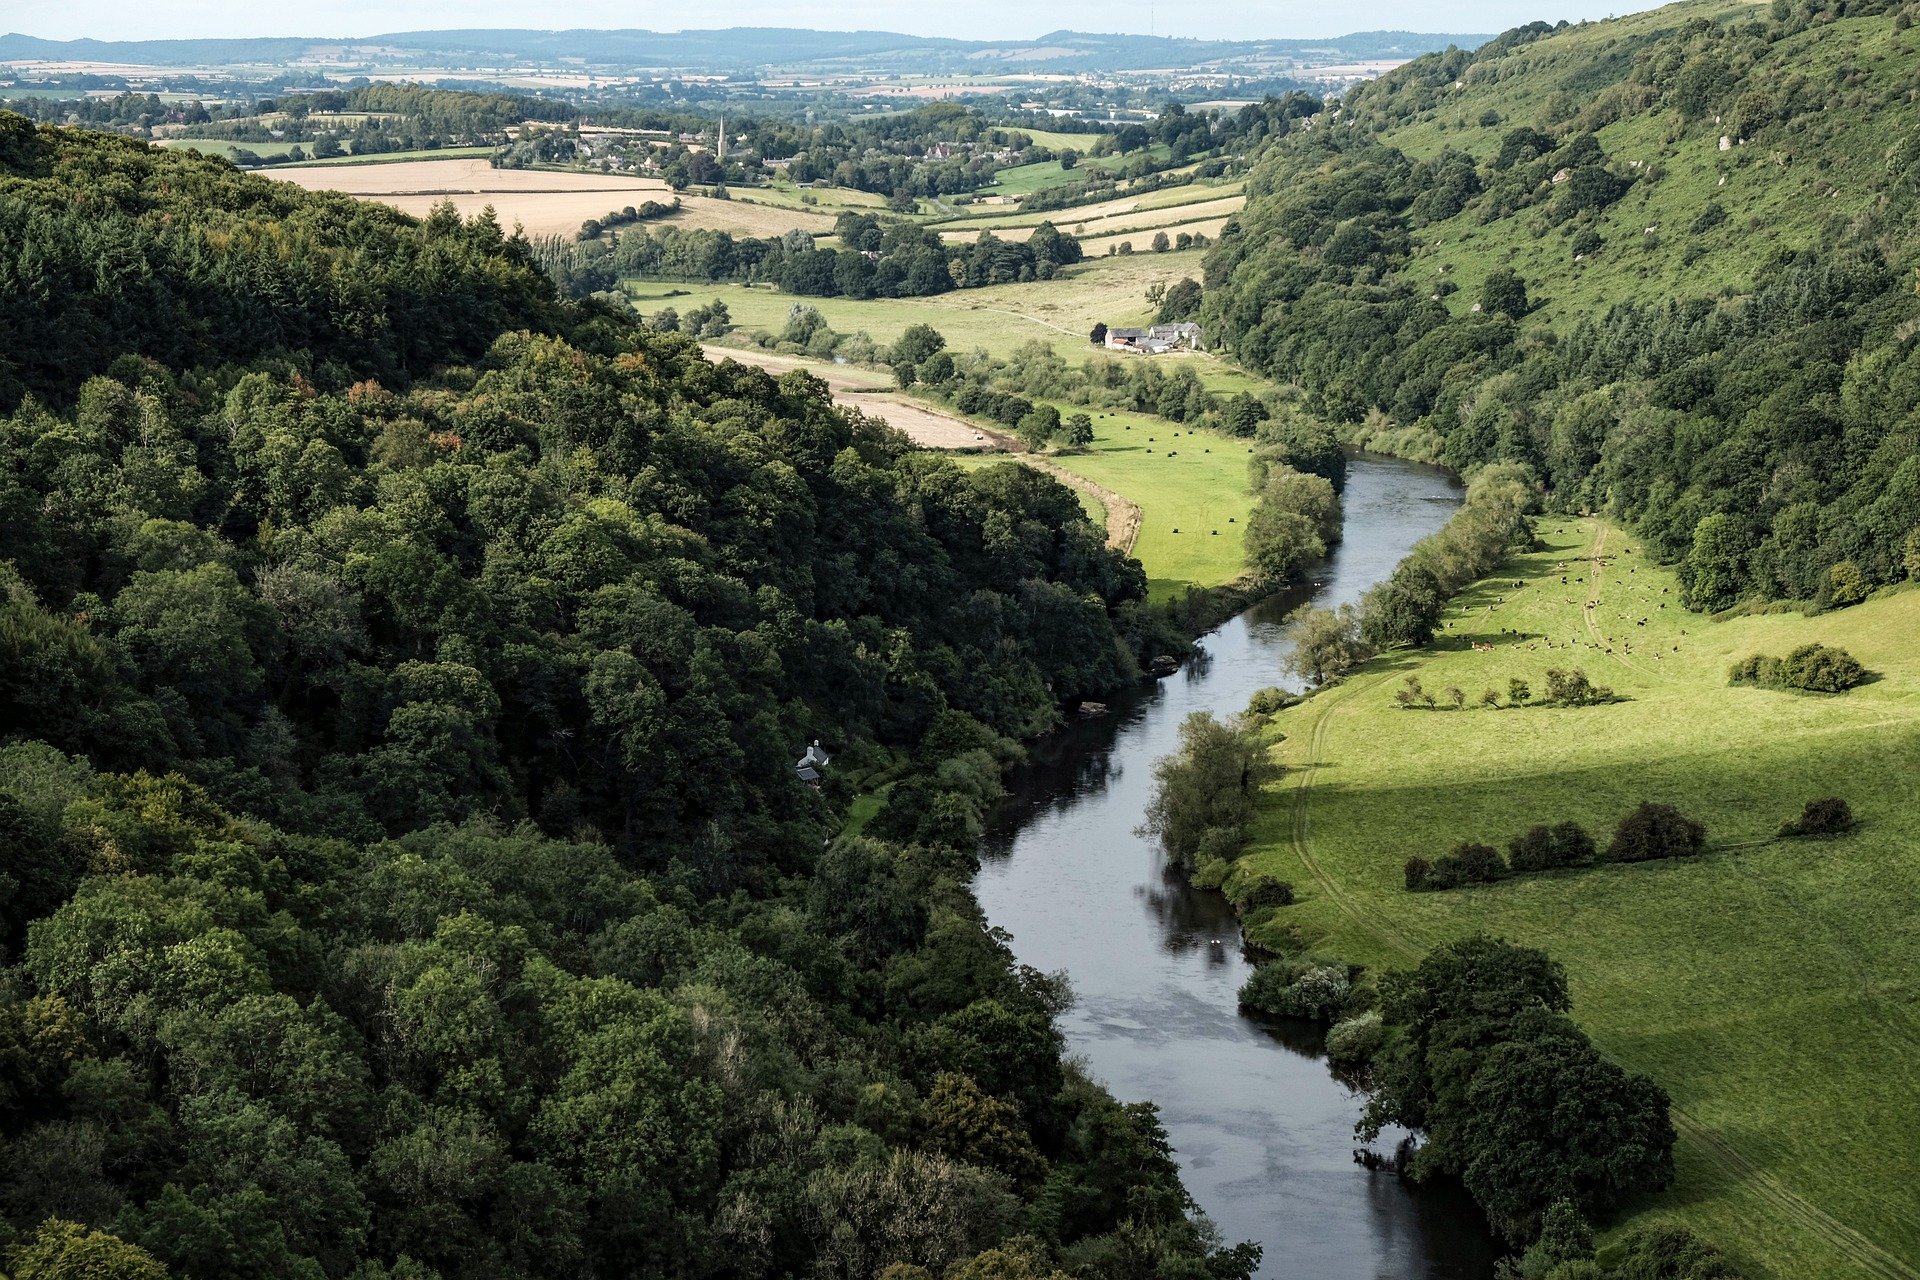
<point>1540,252</point>
<point>404,866</point>
<point>1767,985</point>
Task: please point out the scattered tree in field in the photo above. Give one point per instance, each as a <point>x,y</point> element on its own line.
<point>1457,696</point>
<point>1038,428</point>
<point>916,343</point>
<point>1490,699</point>
<point>1831,816</point>
<point>1519,692</point>
<point>936,368</point>
<point>1160,242</point>
<point>1656,831</point>
<point>1180,302</point>
<point>1403,611</point>
<point>1077,430</point>
<point>1411,694</point>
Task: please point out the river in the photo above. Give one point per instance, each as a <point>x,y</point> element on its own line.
<point>1263,1132</point>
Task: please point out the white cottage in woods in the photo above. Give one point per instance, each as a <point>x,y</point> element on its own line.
<point>1157,339</point>
<point>810,765</point>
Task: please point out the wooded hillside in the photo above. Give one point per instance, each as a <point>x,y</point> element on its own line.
<point>405,870</point>
<point>1667,262</point>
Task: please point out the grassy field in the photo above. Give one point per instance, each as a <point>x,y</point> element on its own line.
<point>1060,312</point>
<point>1769,986</point>
<point>399,157</point>
<point>1191,487</point>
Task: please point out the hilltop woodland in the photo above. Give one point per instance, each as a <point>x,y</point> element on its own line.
<point>405,872</point>
<point>1751,415</point>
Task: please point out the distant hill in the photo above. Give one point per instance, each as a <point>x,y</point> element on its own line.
<point>751,48</point>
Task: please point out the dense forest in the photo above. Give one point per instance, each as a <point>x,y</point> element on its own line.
<point>1755,423</point>
<point>406,871</point>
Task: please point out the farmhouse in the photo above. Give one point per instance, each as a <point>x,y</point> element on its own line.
<point>1157,339</point>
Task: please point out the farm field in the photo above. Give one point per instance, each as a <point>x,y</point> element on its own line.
<point>1060,312</point>
<point>542,201</point>
<point>1190,486</point>
<point>1768,985</point>
<point>1191,198</point>
<point>875,395</point>
<point>399,157</point>
<point>1095,226</point>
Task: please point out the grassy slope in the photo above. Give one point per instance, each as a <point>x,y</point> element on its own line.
<point>1770,988</point>
<point>1778,197</point>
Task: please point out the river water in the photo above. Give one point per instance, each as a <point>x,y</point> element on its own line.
<point>1262,1130</point>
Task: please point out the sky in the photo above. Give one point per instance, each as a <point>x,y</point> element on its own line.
<point>969,19</point>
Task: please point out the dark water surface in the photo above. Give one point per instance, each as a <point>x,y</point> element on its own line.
<point>1263,1132</point>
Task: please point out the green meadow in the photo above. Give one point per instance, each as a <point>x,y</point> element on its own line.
<point>1190,485</point>
<point>1769,985</point>
<point>997,319</point>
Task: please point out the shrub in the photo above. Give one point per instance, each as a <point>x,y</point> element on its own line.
<point>1817,668</point>
<point>1519,692</point>
<point>1666,1251</point>
<point>1297,989</point>
<point>1267,701</point>
<point>1822,669</point>
<point>1353,1041</point>
<point>1572,688</point>
<point>1480,862</point>
<point>1542,848</point>
<point>1845,585</point>
<point>1469,863</point>
<point>1656,831</point>
<point>1263,891</point>
<point>1829,817</point>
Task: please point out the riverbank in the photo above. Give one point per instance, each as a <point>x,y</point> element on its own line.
<point>1765,985</point>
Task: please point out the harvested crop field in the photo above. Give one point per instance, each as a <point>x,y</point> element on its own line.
<point>874,395</point>
<point>541,201</point>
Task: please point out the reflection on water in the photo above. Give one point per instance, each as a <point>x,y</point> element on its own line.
<point>1263,1131</point>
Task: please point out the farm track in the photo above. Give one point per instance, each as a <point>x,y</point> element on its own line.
<point>1715,1150</point>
